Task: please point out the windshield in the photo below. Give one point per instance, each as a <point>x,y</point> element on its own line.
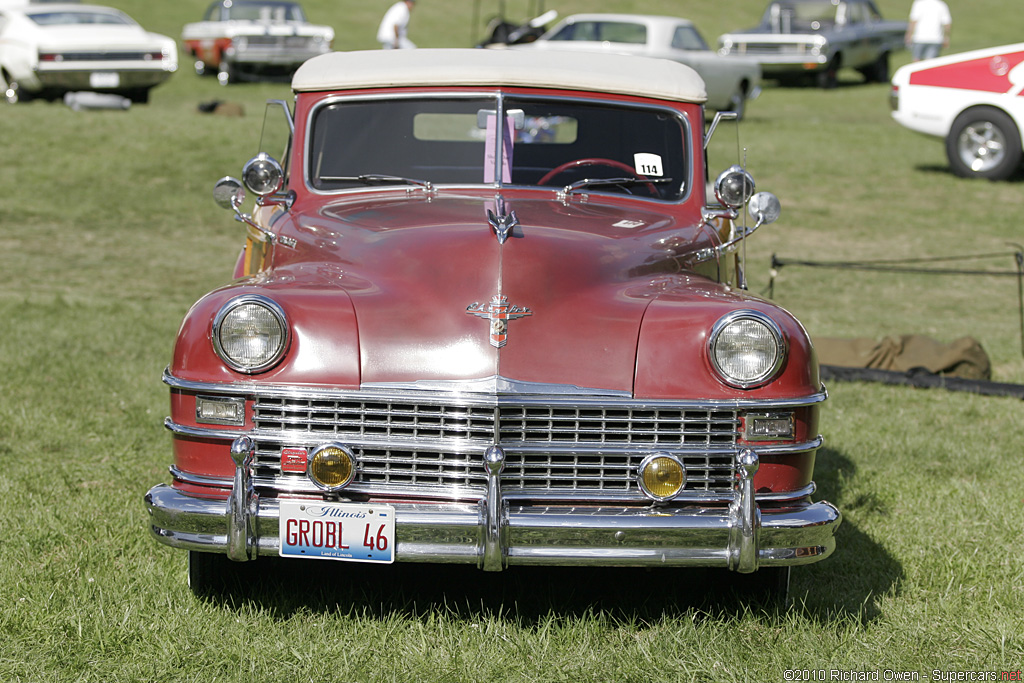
<point>813,14</point>
<point>546,142</point>
<point>263,11</point>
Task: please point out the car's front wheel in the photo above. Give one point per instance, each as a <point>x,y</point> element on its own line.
<point>984,143</point>
<point>12,92</point>
<point>212,575</point>
<point>227,72</point>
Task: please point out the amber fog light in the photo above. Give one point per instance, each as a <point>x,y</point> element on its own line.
<point>662,476</point>
<point>331,467</point>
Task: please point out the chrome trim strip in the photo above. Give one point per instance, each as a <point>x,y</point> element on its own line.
<point>495,385</point>
<point>466,447</point>
<point>448,493</point>
<point>472,399</point>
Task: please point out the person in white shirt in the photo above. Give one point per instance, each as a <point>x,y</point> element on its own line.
<point>928,30</point>
<point>393,27</point>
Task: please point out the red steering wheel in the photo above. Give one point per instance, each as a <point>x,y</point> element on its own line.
<point>596,161</point>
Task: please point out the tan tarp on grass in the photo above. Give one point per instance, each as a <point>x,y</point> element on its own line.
<point>962,358</point>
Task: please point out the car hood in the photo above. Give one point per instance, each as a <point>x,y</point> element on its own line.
<point>425,295</point>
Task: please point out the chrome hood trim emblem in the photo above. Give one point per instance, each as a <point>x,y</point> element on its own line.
<point>499,311</point>
<point>502,222</point>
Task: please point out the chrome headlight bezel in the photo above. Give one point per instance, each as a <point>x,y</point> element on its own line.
<point>275,352</point>
<point>775,353</point>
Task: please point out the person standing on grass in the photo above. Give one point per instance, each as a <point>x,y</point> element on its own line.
<point>928,30</point>
<point>394,25</point>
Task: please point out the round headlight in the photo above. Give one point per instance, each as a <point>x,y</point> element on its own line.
<point>250,333</point>
<point>263,175</point>
<point>331,467</point>
<point>662,476</point>
<point>746,348</point>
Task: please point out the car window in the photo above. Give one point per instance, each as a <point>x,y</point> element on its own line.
<point>78,17</point>
<point>609,31</point>
<point>811,15</point>
<point>265,11</point>
<point>453,141</point>
<point>687,38</point>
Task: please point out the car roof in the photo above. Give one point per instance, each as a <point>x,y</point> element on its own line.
<point>452,67</point>
<point>635,18</point>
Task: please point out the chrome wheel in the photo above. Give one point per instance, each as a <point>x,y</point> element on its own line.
<point>982,146</point>
<point>984,143</point>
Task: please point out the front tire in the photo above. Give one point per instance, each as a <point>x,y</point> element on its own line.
<point>212,575</point>
<point>878,72</point>
<point>828,78</point>
<point>984,143</point>
<point>227,73</point>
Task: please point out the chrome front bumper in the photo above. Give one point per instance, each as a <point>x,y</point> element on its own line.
<point>494,534</point>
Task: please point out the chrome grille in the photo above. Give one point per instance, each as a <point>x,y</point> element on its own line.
<point>279,41</point>
<point>424,447</point>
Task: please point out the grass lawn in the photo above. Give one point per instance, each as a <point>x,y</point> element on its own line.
<point>108,233</point>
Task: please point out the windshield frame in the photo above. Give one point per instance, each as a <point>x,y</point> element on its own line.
<point>500,97</point>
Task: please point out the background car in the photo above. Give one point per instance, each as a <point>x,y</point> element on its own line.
<point>800,38</point>
<point>48,49</point>
<point>254,38</point>
<point>730,81</point>
<point>972,100</point>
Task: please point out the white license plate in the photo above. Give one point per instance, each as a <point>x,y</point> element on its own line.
<point>337,531</point>
<point>104,79</point>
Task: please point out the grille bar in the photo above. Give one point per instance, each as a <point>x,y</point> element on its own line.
<point>405,446</point>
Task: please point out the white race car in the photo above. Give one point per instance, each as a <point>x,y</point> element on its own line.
<point>975,100</point>
<point>49,49</point>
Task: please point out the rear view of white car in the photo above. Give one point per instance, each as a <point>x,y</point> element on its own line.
<point>975,101</point>
<point>47,50</point>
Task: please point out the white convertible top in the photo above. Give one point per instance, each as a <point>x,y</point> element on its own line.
<point>610,73</point>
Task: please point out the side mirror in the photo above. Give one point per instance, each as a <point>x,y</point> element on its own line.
<point>228,193</point>
<point>765,208</point>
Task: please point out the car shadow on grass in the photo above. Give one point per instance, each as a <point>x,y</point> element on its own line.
<point>847,585</point>
<point>945,170</point>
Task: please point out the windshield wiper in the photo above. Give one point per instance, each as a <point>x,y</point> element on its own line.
<point>379,179</point>
<point>624,182</point>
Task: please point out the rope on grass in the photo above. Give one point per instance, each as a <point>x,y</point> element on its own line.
<point>918,266</point>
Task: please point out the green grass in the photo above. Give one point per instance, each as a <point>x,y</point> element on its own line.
<point>108,233</point>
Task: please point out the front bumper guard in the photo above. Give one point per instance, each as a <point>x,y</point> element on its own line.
<point>494,534</point>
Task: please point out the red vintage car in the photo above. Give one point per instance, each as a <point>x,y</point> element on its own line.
<point>486,314</point>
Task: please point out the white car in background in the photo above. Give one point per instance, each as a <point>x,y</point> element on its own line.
<point>974,100</point>
<point>254,38</point>
<point>48,49</point>
<point>730,81</point>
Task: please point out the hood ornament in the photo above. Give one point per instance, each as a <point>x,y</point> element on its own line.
<point>503,223</point>
<point>499,312</point>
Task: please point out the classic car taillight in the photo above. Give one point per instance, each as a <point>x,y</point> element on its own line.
<point>51,57</point>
